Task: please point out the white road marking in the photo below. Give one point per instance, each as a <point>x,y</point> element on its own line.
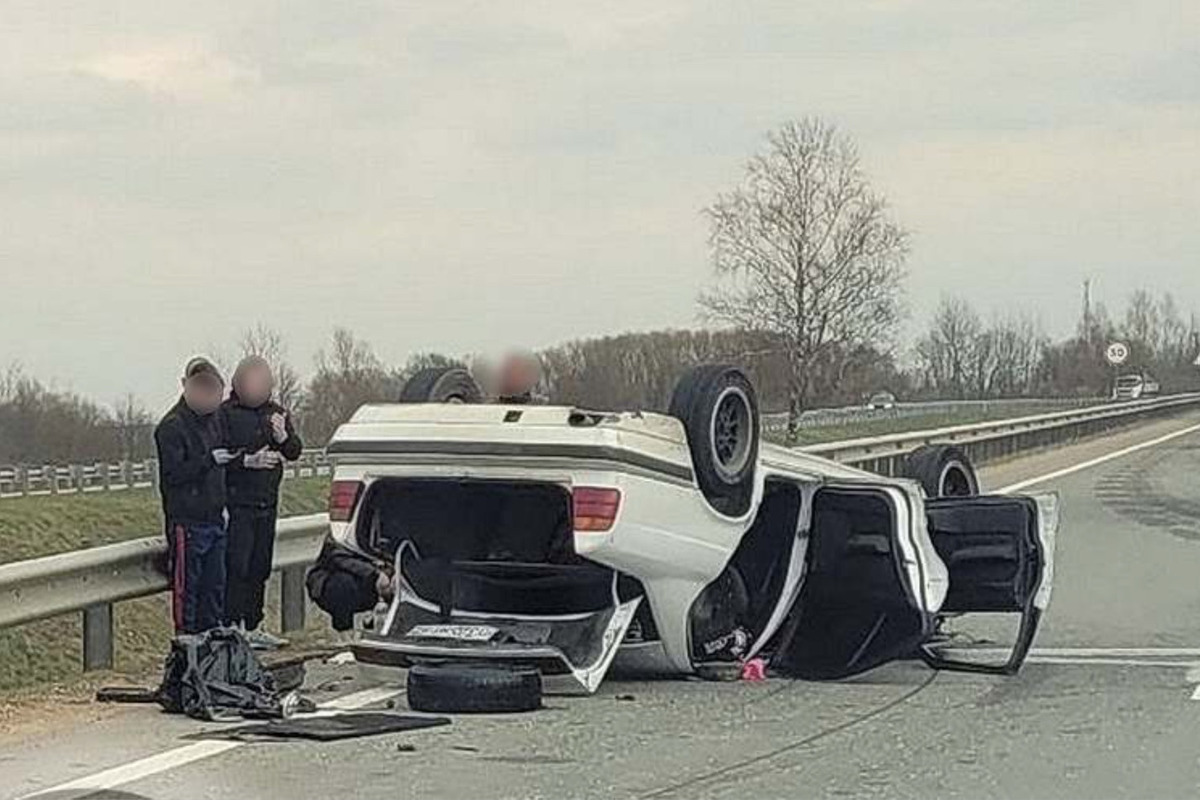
<point>188,753</point>
<point>1019,485</point>
<point>1109,656</point>
<point>1160,657</point>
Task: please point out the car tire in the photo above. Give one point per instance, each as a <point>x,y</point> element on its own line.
<point>441,385</point>
<point>943,471</point>
<point>473,689</point>
<point>719,410</point>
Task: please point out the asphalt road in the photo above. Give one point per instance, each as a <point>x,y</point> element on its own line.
<point>1103,709</point>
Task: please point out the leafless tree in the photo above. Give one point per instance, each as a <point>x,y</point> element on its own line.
<point>133,426</point>
<point>806,250</point>
<point>348,375</point>
<point>961,357</point>
<point>267,343</point>
<point>946,354</point>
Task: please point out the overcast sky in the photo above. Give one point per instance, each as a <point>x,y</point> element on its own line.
<point>456,176</point>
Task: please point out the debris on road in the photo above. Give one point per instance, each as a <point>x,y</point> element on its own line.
<point>330,728</point>
<point>754,670</point>
<point>215,675</point>
<point>126,694</point>
<point>473,689</point>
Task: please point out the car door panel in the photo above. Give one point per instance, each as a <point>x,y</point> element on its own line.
<point>999,551</point>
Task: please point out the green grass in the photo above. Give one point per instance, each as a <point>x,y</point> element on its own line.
<point>50,650</point>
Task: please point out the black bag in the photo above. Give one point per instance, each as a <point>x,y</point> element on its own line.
<point>215,675</point>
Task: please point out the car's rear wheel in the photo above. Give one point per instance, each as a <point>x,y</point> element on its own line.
<point>441,385</point>
<point>719,410</point>
<point>473,689</point>
<point>943,471</point>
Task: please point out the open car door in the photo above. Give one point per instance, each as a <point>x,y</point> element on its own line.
<point>863,601</point>
<point>999,551</point>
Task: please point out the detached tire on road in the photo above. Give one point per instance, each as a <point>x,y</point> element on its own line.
<point>943,470</point>
<point>441,385</point>
<point>473,689</point>
<point>719,410</point>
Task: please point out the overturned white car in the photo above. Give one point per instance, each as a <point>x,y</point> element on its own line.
<point>563,539</point>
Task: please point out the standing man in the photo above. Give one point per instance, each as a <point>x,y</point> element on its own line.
<point>192,455</point>
<point>262,429</point>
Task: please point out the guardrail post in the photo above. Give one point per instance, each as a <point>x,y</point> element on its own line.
<point>50,473</point>
<point>105,475</point>
<point>291,601</point>
<point>78,478</point>
<point>23,480</point>
<point>98,637</point>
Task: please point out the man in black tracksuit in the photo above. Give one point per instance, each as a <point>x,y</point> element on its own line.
<point>262,429</point>
<point>191,465</point>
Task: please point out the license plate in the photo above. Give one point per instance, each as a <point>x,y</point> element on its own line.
<point>461,633</point>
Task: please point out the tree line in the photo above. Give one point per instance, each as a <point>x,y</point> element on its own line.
<point>961,354</point>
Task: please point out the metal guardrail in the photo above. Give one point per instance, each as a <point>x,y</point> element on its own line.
<point>850,415</point>
<point>22,481</point>
<point>986,441</point>
<point>91,581</point>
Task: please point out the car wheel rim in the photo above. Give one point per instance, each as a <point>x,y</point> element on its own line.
<point>731,433</point>
<point>955,482</point>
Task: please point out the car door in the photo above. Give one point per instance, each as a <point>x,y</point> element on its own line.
<point>865,595</point>
<point>999,552</point>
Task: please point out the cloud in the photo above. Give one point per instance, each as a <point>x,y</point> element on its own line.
<point>177,69</point>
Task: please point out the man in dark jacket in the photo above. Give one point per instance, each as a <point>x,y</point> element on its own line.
<point>262,429</point>
<point>192,455</point>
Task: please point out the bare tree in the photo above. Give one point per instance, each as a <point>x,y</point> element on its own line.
<point>268,343</point>
<point>348,375</point>
<point>805,249</point>
<point>947,353</point>
<point>134,428</point>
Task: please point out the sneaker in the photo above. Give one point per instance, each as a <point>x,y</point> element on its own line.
<point>262,640</point>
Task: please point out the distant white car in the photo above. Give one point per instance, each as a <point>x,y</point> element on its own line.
<point>881,401</point>
<point>1135,386</point>
<point>566,538</point>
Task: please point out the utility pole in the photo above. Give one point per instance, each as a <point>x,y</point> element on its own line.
<point>1086,333</point>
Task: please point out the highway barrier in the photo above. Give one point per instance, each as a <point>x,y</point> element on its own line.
<point>24,480</point>
<point>91,581</point>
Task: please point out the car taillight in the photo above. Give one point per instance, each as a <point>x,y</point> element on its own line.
<point>595,509</point>
<point>343,497</point>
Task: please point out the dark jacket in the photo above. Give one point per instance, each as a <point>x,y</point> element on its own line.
<point>191,482</point>
<point>249,430</point>
<point>335,559</point>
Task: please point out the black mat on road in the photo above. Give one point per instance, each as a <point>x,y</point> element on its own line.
<point>332,728</point>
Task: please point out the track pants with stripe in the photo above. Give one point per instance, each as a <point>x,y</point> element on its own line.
<point>197,575</point>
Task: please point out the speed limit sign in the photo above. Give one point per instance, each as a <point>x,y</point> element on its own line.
<point>1117,353</point>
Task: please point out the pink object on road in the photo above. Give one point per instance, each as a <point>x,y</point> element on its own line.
<point>754,670</point>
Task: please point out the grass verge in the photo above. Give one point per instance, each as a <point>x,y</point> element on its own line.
<point>50,651</point>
